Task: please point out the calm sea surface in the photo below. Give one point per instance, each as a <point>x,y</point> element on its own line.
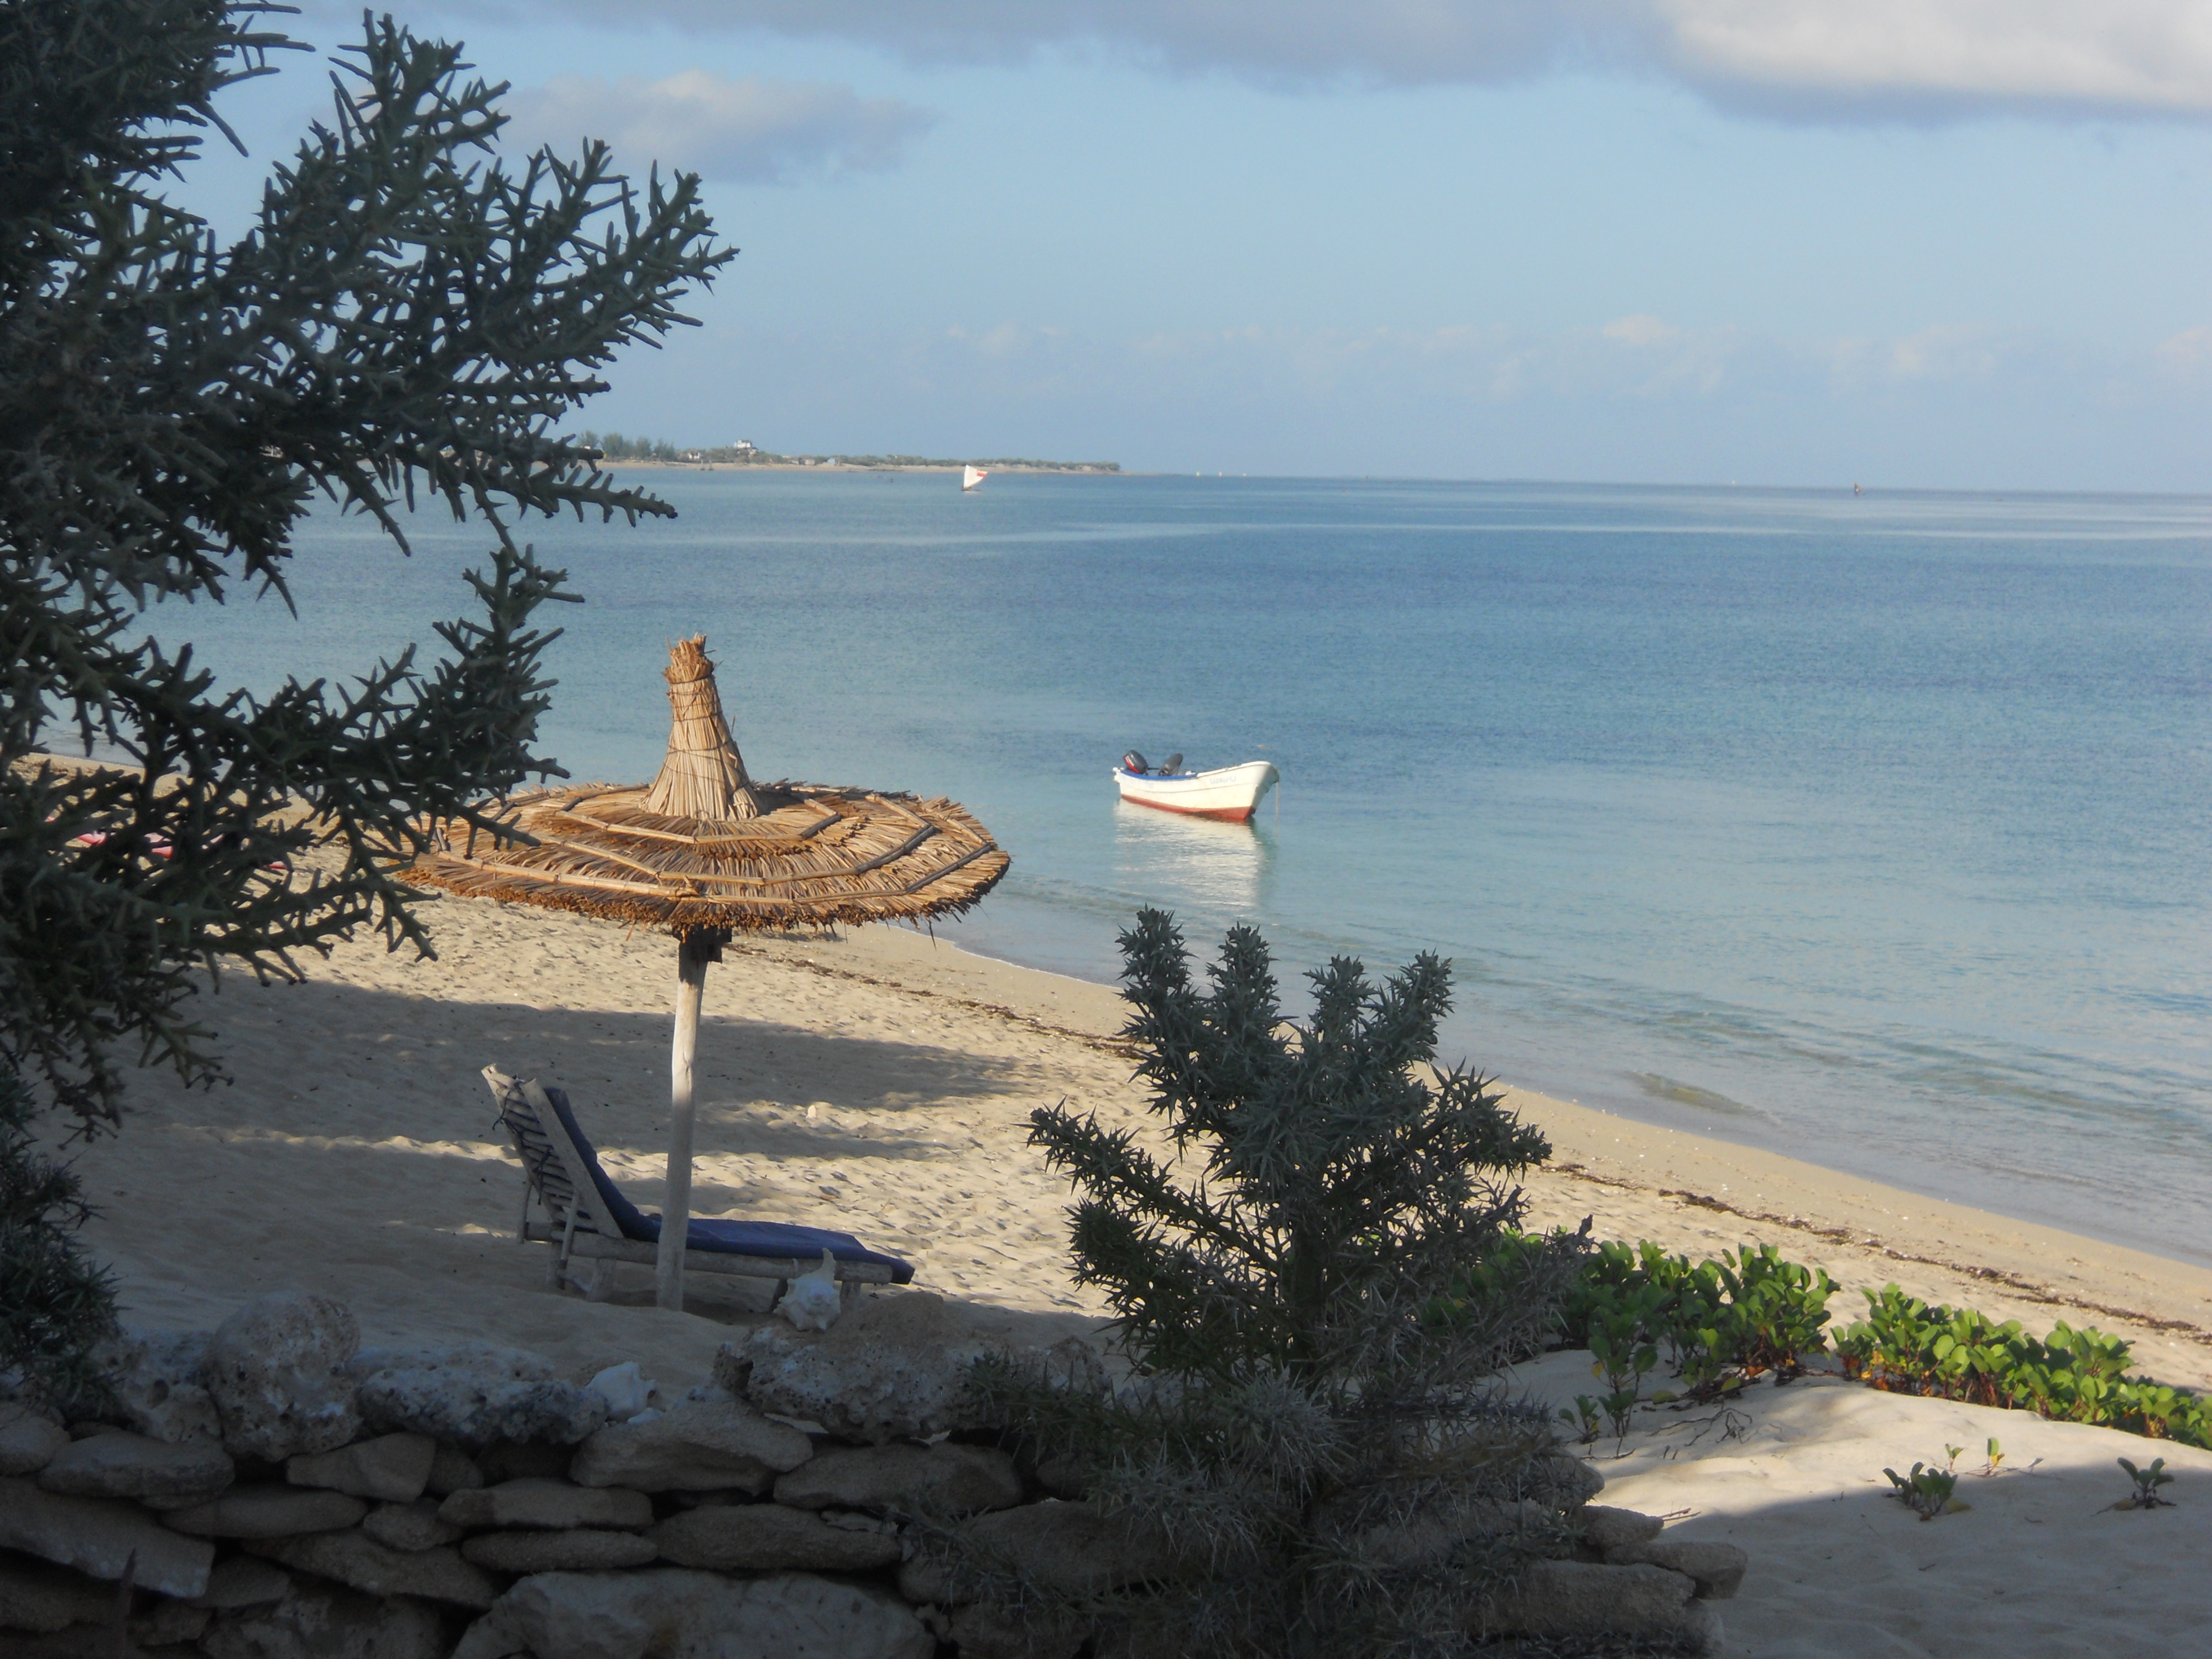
<point>1874,831</point>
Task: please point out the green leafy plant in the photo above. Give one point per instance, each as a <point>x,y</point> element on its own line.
<point>2148,1482</point>
<point>1996,1457</point>
<point>1927,1493</point>
<point>55,1302</point>
<point>1301,1406</point>
<point>1584,1416</point>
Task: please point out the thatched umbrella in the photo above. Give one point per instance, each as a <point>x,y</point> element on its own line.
<point>706,851</point>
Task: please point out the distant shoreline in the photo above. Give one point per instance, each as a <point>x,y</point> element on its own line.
<point>839,464</point>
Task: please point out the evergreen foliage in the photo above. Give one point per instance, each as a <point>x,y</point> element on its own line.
<point>408,317</point>
<point>1325,1460</point>
<point>55,1302</point>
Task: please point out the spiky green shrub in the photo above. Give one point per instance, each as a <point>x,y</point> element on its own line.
<point>1323,1464</point>
<point>55,1303</point>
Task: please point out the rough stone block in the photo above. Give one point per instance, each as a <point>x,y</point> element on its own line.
<point>126,1465</point>
<point>267,1512</point>
<point>157,1379</point>
<point>769,1538</point>
<point>97,1536</point>
<point>695,1445</point>
<point>358,1561</point>
<point>509,1460</point>
<point>1604,1528</point>
<point>1575,1599</point>
<point>474,1396</point>
<point>668,1611</point>
<point>244,1582</point>
<point>452,1470</point>
<point>28,1440</point>
<point>165,1622</point>
<point>943,1479</point>
<point>409,1526</point>
<point>548,1504</point>
<point>329,1623</point>
<point>580,1550</point>
<point>36,1595</point>
<point>894,1367</point>
<point>1716,1569</point>
<point>394,1469</point>
<point>274,1368</point>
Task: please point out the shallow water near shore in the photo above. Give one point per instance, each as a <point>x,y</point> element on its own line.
<point>1870,830</point>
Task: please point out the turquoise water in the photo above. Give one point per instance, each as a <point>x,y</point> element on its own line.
<point>1872,831</point>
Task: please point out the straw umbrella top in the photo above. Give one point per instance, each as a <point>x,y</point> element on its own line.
<point>705,849</point>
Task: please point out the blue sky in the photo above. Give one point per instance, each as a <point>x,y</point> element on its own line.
<point>1925,243</point>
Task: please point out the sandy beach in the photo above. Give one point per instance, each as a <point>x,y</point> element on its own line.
<point>880,1082</point>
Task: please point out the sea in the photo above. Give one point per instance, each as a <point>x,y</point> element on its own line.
<point>1872,830</point>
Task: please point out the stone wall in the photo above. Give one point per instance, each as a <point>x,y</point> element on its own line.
<point>272,1490</point>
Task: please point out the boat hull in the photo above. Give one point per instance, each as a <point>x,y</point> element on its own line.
<point>1230,793</point>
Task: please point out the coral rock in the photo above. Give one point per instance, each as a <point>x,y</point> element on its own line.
<point>37,1596</point>
<point>547,1504</point>
<point>394,1469</point>
<point>356,1559</point>
<point>694,1615</point>
<point>769,1538</point>
<point>267,1512</point>
<point>475,1396</point>
<point>582,1550</point>
<point>124,1465</point>
<point>409,1526</point>
<point>1576,1599</point>
<point>944,1479</point>
<point>1604,1528</point>
<point>97,1535</point>
<point>243,1582</point>
<point>28,1441</point>
<point>695,1445</point>
<point>1716,1569</point>
<point>452,1470</point>
<point>274,1368</point>
<point>158,1379</point>
<point>329,1623</point>
<point>896,1368</point>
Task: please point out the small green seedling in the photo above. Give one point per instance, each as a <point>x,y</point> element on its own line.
<point>1619,1407</point>
<point>2147,1481</point>
<point>1582,1416</point>
<point>1925,1491</point>
<point>1952,1459</point>
<point>1995,1454</point>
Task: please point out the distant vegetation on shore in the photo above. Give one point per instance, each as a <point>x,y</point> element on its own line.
<point>616,447</point>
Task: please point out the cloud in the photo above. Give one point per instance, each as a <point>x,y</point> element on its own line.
<point>752,131</point>
<point>2189,352</point>
<point>1821,59</point>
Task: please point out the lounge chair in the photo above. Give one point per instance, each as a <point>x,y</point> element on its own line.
<point>588,1216</point>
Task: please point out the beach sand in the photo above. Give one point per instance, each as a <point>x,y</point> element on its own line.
<point>881,1083</point>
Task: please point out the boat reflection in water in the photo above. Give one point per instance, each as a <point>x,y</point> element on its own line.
<point>1181,863</point>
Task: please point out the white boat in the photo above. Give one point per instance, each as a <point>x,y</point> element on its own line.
<point>972,476</point>
<point>1230,793</point>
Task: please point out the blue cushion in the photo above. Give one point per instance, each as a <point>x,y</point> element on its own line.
<point>769,1238</point>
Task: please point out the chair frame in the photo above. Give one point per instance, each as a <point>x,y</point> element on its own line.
<point>557,1178</point>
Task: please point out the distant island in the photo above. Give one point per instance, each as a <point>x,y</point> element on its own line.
<point>658,452</point>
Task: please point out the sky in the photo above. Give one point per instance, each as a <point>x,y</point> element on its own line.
<point>1933,244</point>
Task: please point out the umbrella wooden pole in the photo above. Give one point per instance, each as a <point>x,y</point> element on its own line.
<point>692,957</point>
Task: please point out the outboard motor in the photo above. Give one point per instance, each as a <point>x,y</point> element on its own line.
<point>1133,762</point>
<point>1172,764</point>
